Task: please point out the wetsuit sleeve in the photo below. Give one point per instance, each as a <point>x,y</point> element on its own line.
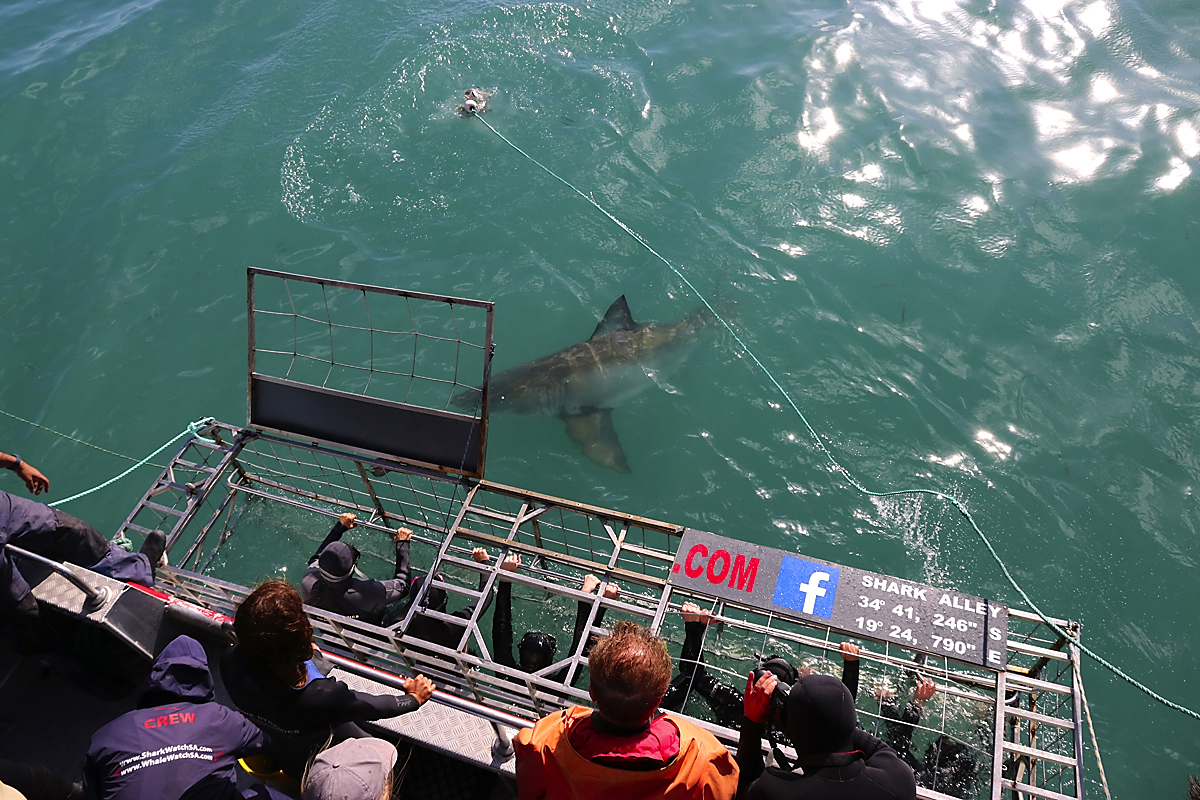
<point>690,660</point>
<point>334,535</point>
<point>397,587</point>
<point>582,609</point>
<point>502,631</point>
<point>587,647</point>
<point>900,728</point>
<point>402,570</point>
<point>749,754</point>
<point>334,703</point>
<point>465,613</point>
<point>850,676</point>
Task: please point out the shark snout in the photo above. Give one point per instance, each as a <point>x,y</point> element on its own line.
<point>467,401</point>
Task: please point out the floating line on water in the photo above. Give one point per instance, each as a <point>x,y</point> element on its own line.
<point>73,439</point>
<point>193,429</point>
<point>962,509</point>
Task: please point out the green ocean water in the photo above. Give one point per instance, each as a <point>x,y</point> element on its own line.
<point>961,235</point>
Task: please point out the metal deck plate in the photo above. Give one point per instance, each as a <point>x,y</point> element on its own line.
<point>447,730</point>
<point>129,614</point>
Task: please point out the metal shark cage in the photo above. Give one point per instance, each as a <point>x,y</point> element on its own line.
<point>305,456</point>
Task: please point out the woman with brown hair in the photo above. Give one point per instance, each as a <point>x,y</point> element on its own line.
<point>271,678</point>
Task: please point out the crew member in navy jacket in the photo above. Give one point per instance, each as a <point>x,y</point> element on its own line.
<point>50,533</point>
<point>178,743</point>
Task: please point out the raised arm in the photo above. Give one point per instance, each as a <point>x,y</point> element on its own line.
<point>691,659</point>
<point>481,557</point>
<point>757,708</point>
<point>582,610</point>
<point>901,727</point>
<point>850,667</point>
<point>345,522</point>
<point>334,703</point>
<point>502,631</point>
<point>397,587</point>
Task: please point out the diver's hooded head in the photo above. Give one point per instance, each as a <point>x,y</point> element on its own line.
<point>820,717</point>
<point>435,598</point>
<point>536,650</point>
<point>180,673</point>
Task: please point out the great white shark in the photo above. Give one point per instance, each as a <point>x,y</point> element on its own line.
<point>583,383</point>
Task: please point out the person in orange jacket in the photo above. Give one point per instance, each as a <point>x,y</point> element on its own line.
<point>626,747</point>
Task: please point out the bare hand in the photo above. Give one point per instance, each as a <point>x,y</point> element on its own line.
<point>347,520</point>
<point>757,703</point>
<point>849,651</point>
<point>403,534</point>
<point>480,555</point>
<point>35,481</point>
<point>611,591</point>
<point>590,582</point>
<point>883,694</point>
<point>511,562</point>
<point>694,613</point>
<point>925,690</point>
<point>419,687</point>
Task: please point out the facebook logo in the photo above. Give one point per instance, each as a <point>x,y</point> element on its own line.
<point>807,587</point>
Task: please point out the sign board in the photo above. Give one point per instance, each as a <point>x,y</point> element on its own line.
<point>860,603</point>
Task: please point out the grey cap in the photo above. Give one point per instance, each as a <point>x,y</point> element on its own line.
<point>356,769</point>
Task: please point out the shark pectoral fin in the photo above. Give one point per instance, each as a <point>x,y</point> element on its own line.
<point>596,437</point>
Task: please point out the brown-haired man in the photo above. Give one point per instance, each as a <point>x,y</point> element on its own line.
<point>625,748</point>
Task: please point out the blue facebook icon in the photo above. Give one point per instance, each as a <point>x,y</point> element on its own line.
<point>807,587</point>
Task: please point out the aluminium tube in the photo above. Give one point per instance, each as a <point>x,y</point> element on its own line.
<point>95,597</point>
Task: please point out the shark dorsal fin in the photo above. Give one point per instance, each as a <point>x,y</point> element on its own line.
<point>617,318</point>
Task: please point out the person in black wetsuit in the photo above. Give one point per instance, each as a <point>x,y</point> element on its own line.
<point>949,765</point>
<point>330,583</point>
<point>840,760</point>
<point>272,678</point>
<point>439,631</point>
<point>725,701</point>
<point>537,649</point>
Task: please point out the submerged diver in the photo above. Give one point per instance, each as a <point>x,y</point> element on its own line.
<point>439,631</point>
<point>949,765</point>
<point>537,649</point>
<point>330,583</point>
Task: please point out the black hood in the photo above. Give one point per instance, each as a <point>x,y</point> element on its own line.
<point>179,673</point>
<point>820,716</point>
